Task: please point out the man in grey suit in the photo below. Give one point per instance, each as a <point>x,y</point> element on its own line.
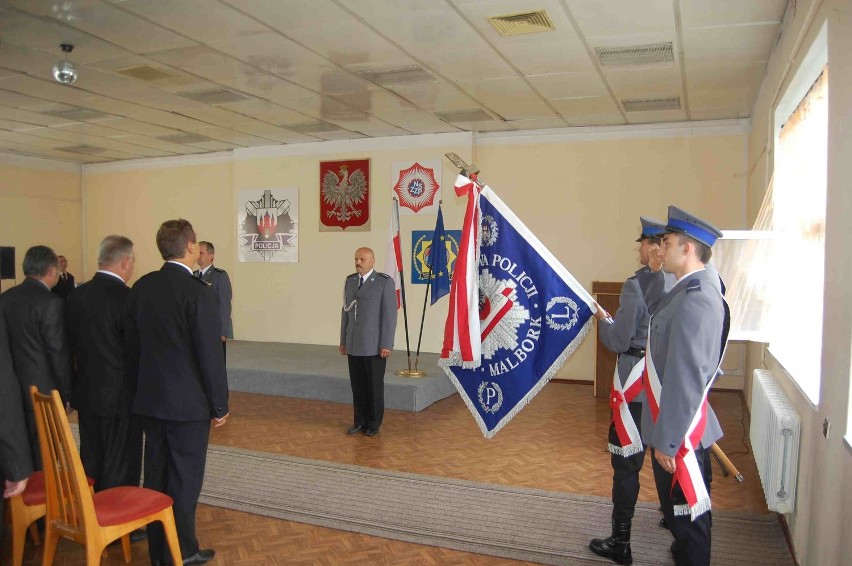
<point>627,335</point>
<point>367,328</point>
<point>221,283</point>
<point>687,335</point>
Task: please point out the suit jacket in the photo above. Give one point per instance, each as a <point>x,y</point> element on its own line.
<point>35,319</point>
<point>686,338</point>
<point>64,287</point>
<point>221,284</point>
<point>95,314</point>
<point>629,328</point>
<point>370,323</point>
<point>15,457</point>
<point>175,348</point>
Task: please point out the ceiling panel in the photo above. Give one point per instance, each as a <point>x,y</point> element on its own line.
<point>729,45</point>
<point>159,68</point>
<point>201,20</point>
<point>613,18</point>
<point>631,83</point>
<point>44,34</point>
<point>568,85</point>
<point>731,12</point>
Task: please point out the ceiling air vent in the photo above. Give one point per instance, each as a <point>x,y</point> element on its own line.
<point>214,96</point>
<point>526,22</point>
<point>145,73</point>
<point>184,138</point>
<point>651,104</point>
<point>76,114</point>
<point>81,149</point>
<point>313,128</point>
<point>477,115</point>
<point>395,77</point>
<point>636,55</point>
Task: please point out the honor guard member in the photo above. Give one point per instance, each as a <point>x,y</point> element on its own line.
<point>221,283</point>
<point>686,340</point>
<point>627,334</point>
<point>367,328</point>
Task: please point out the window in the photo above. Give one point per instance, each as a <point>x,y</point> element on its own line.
<point>798,224</point>
<point>775,272</point>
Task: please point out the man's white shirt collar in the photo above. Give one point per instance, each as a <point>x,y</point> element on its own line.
<point>367,275</point>
<point>205,270</point>
<point>687,275</point>
<point>116,275</point>
<point>180,264</point>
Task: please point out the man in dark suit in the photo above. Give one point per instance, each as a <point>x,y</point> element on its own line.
<point>220,282</point>
<point>110,440</point>
<point>16,463</point>
<point>35,319</point>
<point>65,284</point>
<point>174,350</point>
<point>367,329</point>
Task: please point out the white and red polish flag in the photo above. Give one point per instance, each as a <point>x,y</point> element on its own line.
<point>393,257</point>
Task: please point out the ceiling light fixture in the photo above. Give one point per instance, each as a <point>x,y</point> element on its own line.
<point>64,71</point>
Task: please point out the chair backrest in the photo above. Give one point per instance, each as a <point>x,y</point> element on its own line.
<point>69,500</point>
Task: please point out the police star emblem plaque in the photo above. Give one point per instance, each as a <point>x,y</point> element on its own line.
<point>267,221</point>
<point>417,186</point>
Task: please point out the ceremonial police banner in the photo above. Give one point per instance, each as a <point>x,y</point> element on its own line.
<point>515,312</point>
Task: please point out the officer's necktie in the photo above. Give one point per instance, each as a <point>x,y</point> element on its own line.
<point>360,281</point>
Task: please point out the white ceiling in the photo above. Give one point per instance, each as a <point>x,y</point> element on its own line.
<point>296,64</point>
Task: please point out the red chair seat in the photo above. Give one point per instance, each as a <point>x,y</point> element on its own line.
<point>119,505</point>
<point>34,493</point>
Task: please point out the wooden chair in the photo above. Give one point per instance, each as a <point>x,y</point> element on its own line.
<point>25,509</point>
<point>73,511</point>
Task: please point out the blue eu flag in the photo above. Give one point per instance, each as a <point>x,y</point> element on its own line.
<point>440,281</point>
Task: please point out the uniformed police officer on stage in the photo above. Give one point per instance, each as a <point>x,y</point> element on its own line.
<point>221,283</point>
<point>627,334</point>
<point>687,334</point>
<point>367,328</point>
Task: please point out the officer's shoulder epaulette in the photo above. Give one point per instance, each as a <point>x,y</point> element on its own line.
<point>385,275</point>
<point>219,269</point>
<point>352,275</point>
<point>694,285</point>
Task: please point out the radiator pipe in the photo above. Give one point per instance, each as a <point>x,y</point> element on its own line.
<point>726,465</point>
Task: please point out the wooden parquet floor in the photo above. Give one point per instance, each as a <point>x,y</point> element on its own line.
<point>556,443</point>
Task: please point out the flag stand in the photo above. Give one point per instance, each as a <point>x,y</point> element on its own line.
<point>404,372</point>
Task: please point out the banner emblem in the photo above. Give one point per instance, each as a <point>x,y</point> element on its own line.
<point>562,313</point>
<point>490,396</point>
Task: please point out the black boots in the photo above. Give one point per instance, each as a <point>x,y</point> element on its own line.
<point>617,546</point>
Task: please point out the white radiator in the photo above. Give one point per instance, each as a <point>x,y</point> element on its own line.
<point>774,435</point>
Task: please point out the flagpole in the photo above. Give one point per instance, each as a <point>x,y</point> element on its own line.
<point>409,372</point>
<point>426,299</point>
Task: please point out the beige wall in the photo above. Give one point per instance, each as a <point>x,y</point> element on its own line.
<point>581,196</point>
<point>40,204</point>
<point>823,518</point>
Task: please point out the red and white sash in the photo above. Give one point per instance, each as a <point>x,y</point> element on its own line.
<point>687,473</point>
<point>620,396</point>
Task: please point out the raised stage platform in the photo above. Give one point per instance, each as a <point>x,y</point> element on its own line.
<point>309,371</point>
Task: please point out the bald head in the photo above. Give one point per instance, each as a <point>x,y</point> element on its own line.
<point>364,260</point>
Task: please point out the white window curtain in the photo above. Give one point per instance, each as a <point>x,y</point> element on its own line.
<point>776,272</point>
